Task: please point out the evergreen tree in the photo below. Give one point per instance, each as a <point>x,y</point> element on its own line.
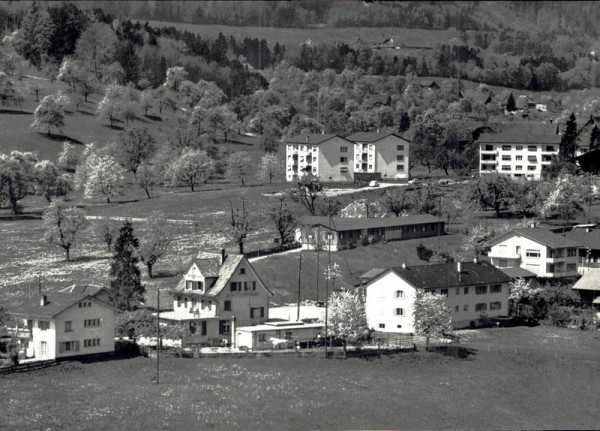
<point>568,142</point>
<point>594,138</point>
<point>127,290</point>
<point>511,104</point>
<point>404,122</point>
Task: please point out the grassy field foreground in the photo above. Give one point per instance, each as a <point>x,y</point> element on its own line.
<point>514,378</point>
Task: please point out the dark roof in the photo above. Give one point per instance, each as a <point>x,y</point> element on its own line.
<point>372,136</point>
<point>311,138</point>
<point>446,275</point>
<point>541,236</point>
<point>209,267</point>
<point>589,239</point>
<point>372,273</point>
<point>517,272</point>
<point>56,303</point>
<point>344,224</point>
<point>245,139</point>
<point>525,133</point>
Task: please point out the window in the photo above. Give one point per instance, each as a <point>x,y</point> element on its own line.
<point>256,312</point>
<point>399,294</point>
<point>68,346</point>
<point>203,328</point>
<point>224,327</point>
<point>91,323</point>
<point>519,147</point>
<point>242,271</point>
<point>92,342</point>
<point>456,309</point>
<point>481,307</point>
<point>518,158</point>
<point>343,170</point>
<point>398,326</point>
<point>505,147</point>
<point>571,252</point>
<point>85,304</point>
<point>254,285</point>
<point>399,312</point>
<point>519,168</point>
<point>444,292</point>
<point>235,286</point>
<point>506,167</point>
<point>400,147</point>
<point>288,335</point>
<point>43,348</point>
<point>343,159</point>
<point>382,326</point>
<point>495,305</point>
<point>189,284</point>
<point>480,290</point>
<point>458,291</point>
<point>571,267</point>
<point>549,147</point>
<point>496,288</point>
<point>399,168</point>
<point>343,149</point>
<point>43,325</point>
<point>400,158</point>
<point>489,148</point>
<point>506,157</point>
<point>371,167</point>
<point>262,338</point>
<point>465,307</point>
<point>534,254</point>
<point>69,326</point>
<point>531,148</point>
<point>532,159</point>
<point>227,306</point>
<point>466,291</point>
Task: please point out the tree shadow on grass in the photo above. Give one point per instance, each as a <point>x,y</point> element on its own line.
<point>15,112</point>
<point>115,127</point>
<point>61,138</point>
<point>166,274</point>
<point>458,352</point>
<point>153,117</point>
<point>79,259</point>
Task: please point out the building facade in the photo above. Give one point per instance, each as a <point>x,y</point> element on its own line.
<point>60,325</point>
<point>344,232</point>
<point>336,159</point>
<point>520,150</point>
<point>215,296</point>
<point>542,252</point>
<point>472,290</point>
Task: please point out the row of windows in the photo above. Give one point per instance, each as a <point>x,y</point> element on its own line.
<point>382,326</point>
<point>91,322</point>
<point>507,157</point>
<point>302,148</point>
<point>520,148</point>
<point>238,286</point>
<point>483,306</point>
<point>518,168</point>
<point>92,342</point>
<point>479,290</point>
<point>68,346</point>
<point>184,301</point>
<point>85,304</point>
<point>194,285</point>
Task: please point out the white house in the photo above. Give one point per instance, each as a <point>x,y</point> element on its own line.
<point>472,289</point>
<point>215,295</point>
<point>542,252</point>
<point>60,325</point>
<point>276,334</point>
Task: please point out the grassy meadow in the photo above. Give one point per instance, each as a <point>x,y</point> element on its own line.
<point>508,378</point>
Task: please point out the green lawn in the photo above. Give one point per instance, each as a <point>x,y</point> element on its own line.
<point>548,382</point>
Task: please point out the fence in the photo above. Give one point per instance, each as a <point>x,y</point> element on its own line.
<point>28,367</point>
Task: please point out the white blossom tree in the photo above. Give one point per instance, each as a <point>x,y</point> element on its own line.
<point>155,240</point>
<point>111,106</point>
<point>191,168</point>
<point>175,76</point>
<point>347,317</point>
<point>565,198</point>
<point>50,183</point>
<point>520,290</point>
<point>68,157</point>
<point>104,177</point>
<point>239,167</point>
<point>270,167</point>
<point>63,224</point>
<point>50,113</point>
<point>477,238</point>
<point>432,316</point>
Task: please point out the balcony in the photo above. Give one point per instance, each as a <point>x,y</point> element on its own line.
<point>504,255</point>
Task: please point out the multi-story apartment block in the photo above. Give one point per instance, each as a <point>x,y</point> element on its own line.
<point>542,252</point>
<point>334,158</point>
<point>472,290</point>
<point>383,153</point>
<point>520,150</point>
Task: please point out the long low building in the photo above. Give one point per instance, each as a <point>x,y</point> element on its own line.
<point>276,335</point>
<point>314,231</point>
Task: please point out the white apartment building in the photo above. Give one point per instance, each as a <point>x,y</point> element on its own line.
<point>521,150</point>
<point>542,252</point>
<point>334,158</point>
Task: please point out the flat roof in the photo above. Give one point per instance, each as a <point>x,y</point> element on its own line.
<point>269,327</point>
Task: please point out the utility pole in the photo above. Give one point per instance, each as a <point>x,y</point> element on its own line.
<point>157,333</point>
<point>327,278</point>
<point>299,280</point>
<point>439,222</point>
<point>318,251</point>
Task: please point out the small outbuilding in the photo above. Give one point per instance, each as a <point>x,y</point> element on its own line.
<point>276,334</point>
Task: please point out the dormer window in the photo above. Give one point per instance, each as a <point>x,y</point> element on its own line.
<point>194,285</point>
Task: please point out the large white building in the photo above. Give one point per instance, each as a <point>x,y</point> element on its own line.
<point>472,289</point>
<point>520,150</point>
<point>337,159</point>
<point>542,252</point>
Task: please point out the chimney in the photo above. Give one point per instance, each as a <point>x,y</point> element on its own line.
<point>43,300</point>
<point>223,256</point>
<point>459,266</point>
<point>307,138</point>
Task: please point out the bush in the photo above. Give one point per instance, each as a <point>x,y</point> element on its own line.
<point>559,316</point>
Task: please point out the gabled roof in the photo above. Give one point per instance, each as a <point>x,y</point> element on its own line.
<point>541,236</point>
<point>209,267</point>
<point>446,275</point>
<point>589,281</point>
<point>56,303</point>
<point>522,133</point>
<point>518,272</point>
<point>372,136</point>
<point>84,289</point>
<point>589,239</point>
<point>311,138</point>
<point>340,224</point>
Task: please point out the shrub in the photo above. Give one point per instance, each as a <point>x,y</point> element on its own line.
<point>559,316</point>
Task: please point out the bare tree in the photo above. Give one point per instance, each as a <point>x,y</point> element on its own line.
<point>63,223</point>
<point>155,240</point>
<point>307,191</point>
<point>241,224</point>
<point>284,220</point>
